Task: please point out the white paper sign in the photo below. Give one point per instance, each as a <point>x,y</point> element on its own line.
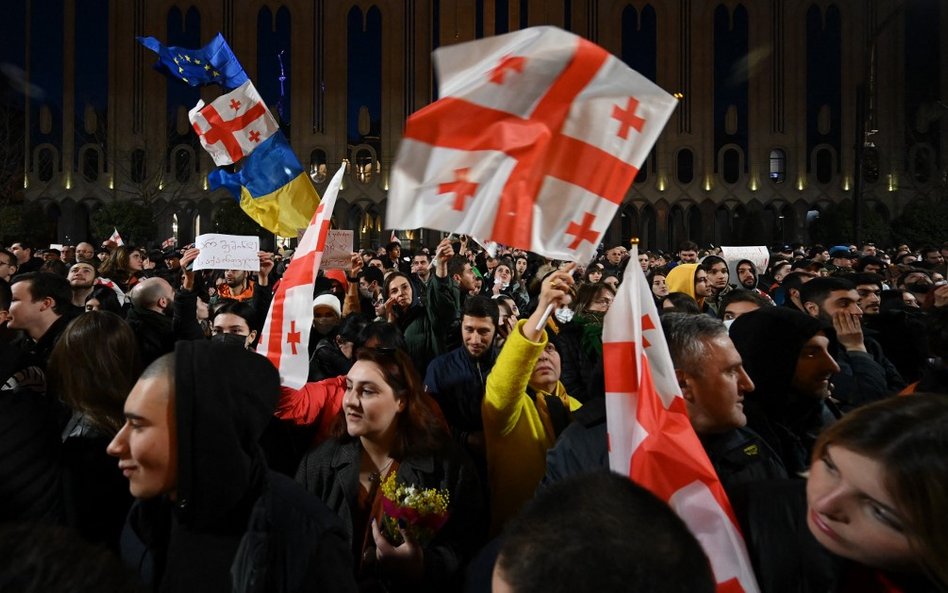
<point>338,250</point>
<point>757,255</point>
<point>227,252</point>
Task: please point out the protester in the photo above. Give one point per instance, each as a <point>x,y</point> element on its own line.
<point>210,516</point>
<point>123,267</point>
<point>391,427</point>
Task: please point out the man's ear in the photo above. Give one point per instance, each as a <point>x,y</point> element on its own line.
<point>684,382</point>
<point>48,303</point>
<point>812,308</point>
<point>252,335</point>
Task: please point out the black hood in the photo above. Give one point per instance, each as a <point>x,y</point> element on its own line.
<point>224,398</point>
<point>770,340</point>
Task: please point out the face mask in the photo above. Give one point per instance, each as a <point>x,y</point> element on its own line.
<point>324,326</point>
<point>727,323</point>
<point>564,314</point>
<point>231,339</point>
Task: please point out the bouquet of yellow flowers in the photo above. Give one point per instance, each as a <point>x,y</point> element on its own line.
<point>421,512</point>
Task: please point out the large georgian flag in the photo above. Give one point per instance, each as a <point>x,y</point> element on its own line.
<point>650,437</point>
<point>285,336</point>
<point>536,139</point>
<point>233,125</point>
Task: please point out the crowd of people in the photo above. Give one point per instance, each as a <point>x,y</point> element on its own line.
<point>145,445</point>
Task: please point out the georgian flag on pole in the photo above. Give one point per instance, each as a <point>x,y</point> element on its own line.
<point>650,437</point>
<point>233,125</point>
<point>285,336</point>
<point>534,143</point>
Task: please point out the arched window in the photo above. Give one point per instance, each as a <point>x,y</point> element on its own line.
<point>642,176</point>
<point>824,165</point>
<point>90,164</point>
<point>778,165</point>
<point>138,166</point>
<point>731,165</point>
<point>182,165</point>
<point>44,166</point>
<point>686,166</point>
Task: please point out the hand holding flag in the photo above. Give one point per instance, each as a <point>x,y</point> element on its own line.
<point>651,438</point>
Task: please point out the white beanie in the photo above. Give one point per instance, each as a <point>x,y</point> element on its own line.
<point>328,300</point>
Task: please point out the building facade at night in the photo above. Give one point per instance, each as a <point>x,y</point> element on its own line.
<point>780,100</point>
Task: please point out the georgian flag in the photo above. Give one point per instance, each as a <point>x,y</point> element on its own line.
<point>116,237</point>
<point>651,439</point>
<point>534,143</point>
<point>233,125</point>
<point>285,336</point>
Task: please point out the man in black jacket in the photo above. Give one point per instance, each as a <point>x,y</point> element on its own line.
<point>210,515</point>
<point>713,384</point>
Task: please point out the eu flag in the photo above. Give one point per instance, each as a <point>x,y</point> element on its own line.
<point>272,187</point>
<point>214,63</point>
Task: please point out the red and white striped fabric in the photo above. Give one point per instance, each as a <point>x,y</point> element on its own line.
<point>285,336</point>
<point>116,237</point>
<point>233,125</point>
<point>650,437</point>
<point>536,139</point>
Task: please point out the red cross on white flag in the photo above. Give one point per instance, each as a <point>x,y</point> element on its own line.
<point>233,125</point>
<point>285,336</point>
<point>534,143</point>
<point>116,237</point>
<point>651,439</point>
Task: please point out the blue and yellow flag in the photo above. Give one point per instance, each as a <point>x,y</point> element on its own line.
<point>272,187</point>
<point>214,63</point>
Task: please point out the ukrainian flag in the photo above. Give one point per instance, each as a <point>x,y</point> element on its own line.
<point>272,187</point>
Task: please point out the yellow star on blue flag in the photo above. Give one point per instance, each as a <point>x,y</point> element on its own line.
<point>214,63</point>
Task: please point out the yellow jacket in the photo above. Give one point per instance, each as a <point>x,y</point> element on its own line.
<point>517,429</point>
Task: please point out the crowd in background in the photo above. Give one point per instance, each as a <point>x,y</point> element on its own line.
<point>140,434</point>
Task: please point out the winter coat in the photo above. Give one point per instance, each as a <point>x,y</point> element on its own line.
<point>233,525</point>
<point>331,472</point>
<point>425,326</point>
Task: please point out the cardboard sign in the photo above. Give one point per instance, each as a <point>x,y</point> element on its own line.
<point>227,252</point>
<point>338,251</point>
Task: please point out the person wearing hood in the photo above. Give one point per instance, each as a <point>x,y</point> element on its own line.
<point>210,516</point>
<point>718,277</point>
<point>424,325</point>
<point>788,355</point>
<point>692,280</point>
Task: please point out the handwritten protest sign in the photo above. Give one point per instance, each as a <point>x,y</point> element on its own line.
<point>227,252</point>
<point>338,250</point>
<point>757,255</point>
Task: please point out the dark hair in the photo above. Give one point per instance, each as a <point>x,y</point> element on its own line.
<point>594,547</point>
<point>391,245</point>
<point>739,295</point>
<point>6,295</point>
<point>388,336</point>
<point>456,265</point>
<point>818,290</point>
<point>351,327</point>
<point>682,303</point>
<point>54,266</point>
<point>25,244</point>
<point>868,260</point>
<point>594,267</point>
<point>45,285</point>
<point>10,255</point>
<point>372,274</point>
<point>108,300</point>
<point>388,283</point>
<point>116,266</point>
<point>481,306</point>
<point>587,293</point>
<point>94,365</point>
<point>421,428</point>
<point>865,278</point>
<point>687,246</point>
<point>241,309</point>
<point>908,437</point>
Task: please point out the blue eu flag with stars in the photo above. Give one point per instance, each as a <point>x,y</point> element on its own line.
<point>214,63</point>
